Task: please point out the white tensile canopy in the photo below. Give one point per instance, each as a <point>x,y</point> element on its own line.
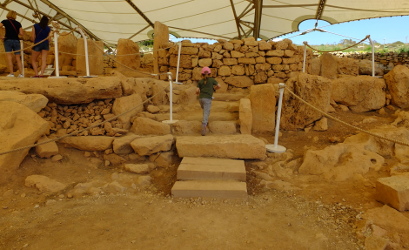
<point>109,20</point>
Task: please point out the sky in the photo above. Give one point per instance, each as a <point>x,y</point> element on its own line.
<point>382,30</point>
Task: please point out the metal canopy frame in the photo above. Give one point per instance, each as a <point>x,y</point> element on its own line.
<point>226,19</point>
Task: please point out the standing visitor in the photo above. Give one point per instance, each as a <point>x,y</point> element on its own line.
<point>205,88</point>
<point>40,32</point>
<point>12,41</point>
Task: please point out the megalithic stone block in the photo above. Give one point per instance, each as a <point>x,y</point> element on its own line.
<point>394,191</point>
<point>199,168</point>
<point>210,189</point>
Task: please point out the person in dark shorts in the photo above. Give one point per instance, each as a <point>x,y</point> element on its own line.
<point>12,41</point>
<point>40,32</point>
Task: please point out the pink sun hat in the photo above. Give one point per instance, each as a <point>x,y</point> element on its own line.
<point>206,70</point>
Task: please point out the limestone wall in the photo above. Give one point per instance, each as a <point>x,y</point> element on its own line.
<point>239,63</point>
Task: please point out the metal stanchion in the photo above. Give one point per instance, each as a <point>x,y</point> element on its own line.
<point>86,53</point>
<point>275,148</point>
<point>57,61</point>
<point>178,63</point>
<point>170,121</point>
<point>22,57</point>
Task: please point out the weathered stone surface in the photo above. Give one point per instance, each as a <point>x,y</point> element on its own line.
<point>139,86</point>
<point>321,125</point>
<point>360,93</point>
<point>67,90</point>
<point>388,219</point>
<point>239,81</point>
<point>263,45</point>
<point>340,162</point>
<point>224,71</point>
<point>127,57</point>
<point>221,146</point>
<point>365,68</point>
<point>275,53</point>
<point>223,127</point>
<point>146,126</point>
<point>122,145</point>
<point>152,145</point>
<point>348,66</point>
<point>384,147</point>
<point>245,116</point>
<point>67,43</point>
<point>35,102</point>
<point>19,127</point>
<point>95,57</point>
<point>394,191</point>
<point>210,189</point>
<point>159,92</point>
<point>130,106</point>
<point>315,90</point>
<point>137,168</point>
<point>329,66</point>
<point>164,159</point>
<point>184,127</point>
<point>88,143</point>
<point>200,168</point>
<point>397,81</point>
<point>238,70</point>
<point>314,67</point>
<point>263,101</point>
<point>44,183</point>
<point>46,150</point>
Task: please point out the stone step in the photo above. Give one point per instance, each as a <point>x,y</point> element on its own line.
<point>210,189</point>
<point>239,146</point>
<point>198,116</point>
<point>184,127</point>
<point>199,168</point>
<point>229,96</point>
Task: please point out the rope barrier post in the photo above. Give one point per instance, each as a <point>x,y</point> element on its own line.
<point>275,148</point>
<point>86,52</point>
<point>170,121</point>
<point>22,57</point>
<point>305,57</point>
<point>373,56</point>
<point>57,61</point>
<point>178,63</point>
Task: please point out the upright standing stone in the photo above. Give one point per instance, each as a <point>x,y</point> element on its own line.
<point>263,102</point>
<point>160,41</point>
<point>394,191</point>
<point>245,116</point>
<point>95,57</point>
<point>128,57</point>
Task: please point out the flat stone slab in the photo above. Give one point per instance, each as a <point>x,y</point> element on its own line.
<point>394,191</point>
<point>210,189</point>
<point>192,168</point>
<point>221,146</point>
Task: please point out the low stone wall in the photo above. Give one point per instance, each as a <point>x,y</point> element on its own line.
<point>240,63</point>
<point>389,60</point>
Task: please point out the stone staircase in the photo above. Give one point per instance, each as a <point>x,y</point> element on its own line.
<point>224,116</point>
<point>210,168</point>
<point>210,178</point>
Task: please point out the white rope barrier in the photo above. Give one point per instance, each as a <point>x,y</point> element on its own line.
<point>367,37</point>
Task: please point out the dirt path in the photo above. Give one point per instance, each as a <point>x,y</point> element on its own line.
<point>147,221</point>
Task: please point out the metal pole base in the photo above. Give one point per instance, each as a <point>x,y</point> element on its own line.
<point>170,121</point>
<point>92,76</point>
<point>57,77</point>
<point>275,148</point>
